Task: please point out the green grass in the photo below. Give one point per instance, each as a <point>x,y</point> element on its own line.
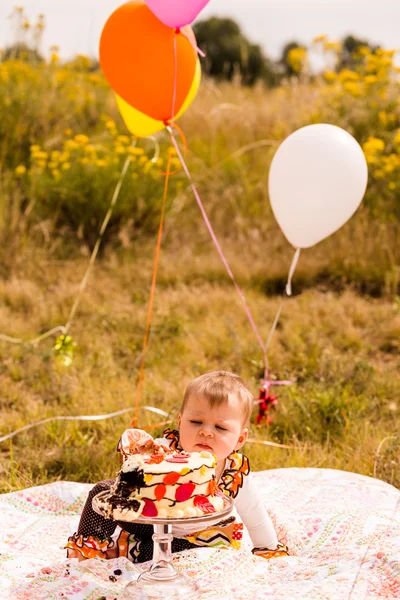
<point>338,337</point>
<point>341,349</point>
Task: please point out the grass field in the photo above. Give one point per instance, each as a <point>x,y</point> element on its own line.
<point>342,350</point>
<point>338,337</point>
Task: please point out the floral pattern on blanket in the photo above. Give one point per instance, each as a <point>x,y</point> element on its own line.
<point>343,530</point>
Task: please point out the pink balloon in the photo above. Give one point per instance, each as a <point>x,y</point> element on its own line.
<point>176,13</point>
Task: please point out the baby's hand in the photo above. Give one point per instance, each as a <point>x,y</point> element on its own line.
<point>267,553</point>
<point>135,441</point>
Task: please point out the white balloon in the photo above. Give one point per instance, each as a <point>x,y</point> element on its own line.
<point>317,180</point>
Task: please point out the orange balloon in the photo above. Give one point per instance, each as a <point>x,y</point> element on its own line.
<point>137,58</point>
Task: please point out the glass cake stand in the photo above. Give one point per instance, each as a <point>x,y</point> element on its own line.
<point>162,581</point>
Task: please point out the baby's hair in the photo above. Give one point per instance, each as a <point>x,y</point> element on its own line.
<point>216,386</point>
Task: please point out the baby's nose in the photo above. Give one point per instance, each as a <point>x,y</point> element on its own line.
<point>205,431</point>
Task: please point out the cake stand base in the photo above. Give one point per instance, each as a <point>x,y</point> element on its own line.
<point>147,588</point>
<point>161,581</point>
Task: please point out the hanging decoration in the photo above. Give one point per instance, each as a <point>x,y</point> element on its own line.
<point>266,401</point>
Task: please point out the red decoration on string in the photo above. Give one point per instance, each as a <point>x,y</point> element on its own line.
<point>266,402</point>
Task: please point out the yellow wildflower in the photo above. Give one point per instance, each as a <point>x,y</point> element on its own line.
<point>330,76</point>
<point>41,164</point>
<point>363,50</point>
<point>370,79</point>
<point>84,161</point>
<point>90,148</point>
<point>142,160</point>
<point>35,148</point>
<point>136,151</point>
<point>68,132</point>
<point>392,185</point>
<point>110,125</point>
<point>175,163</point>
<point>347,75</point>
<point>373,148</point>
<point>71,145</point>
<point>352,88</point>
<point>20,170</point>
<point>101,163</point>
<point>297,59</point>
<point>53,164</point>
<point>120,150</point>
<point>396,139</point>
<point>148,166</point>
<point>40,155</point>
<point>64,156</point>
<point>81,139</point>
<point>333,47</point>
<point>383,118</point>
<point>55,155</point>
<point>320,38</point>
<point>56,173</point>
<point>66,166</point>
<point>123,139</point>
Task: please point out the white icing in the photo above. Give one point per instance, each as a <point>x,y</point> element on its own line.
<point>199,470</point>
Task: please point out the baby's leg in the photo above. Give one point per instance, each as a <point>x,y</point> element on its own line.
<point>93,537</point>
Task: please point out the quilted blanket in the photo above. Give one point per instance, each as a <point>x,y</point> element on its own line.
<point>343,530</point>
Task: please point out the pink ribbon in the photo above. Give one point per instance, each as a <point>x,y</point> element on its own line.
<point>194,45</point>
<point>215,240</point>
<point>267,383</point>
<point>264,348</point>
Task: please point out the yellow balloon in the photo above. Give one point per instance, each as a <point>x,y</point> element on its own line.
<point>140,124</point>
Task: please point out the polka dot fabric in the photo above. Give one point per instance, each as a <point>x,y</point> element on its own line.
<point>95,534</point>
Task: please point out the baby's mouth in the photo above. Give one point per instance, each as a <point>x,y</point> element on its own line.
<point>204,447</point>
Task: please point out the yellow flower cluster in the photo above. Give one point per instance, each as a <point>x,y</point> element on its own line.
<point>80,153</point>
<point>297,59</point>
<point>383,166</point>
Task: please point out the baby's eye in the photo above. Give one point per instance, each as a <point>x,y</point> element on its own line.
<point>220,428</point>
<point>196,422</point>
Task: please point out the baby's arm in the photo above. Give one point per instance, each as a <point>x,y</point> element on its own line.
<point>255,517</point>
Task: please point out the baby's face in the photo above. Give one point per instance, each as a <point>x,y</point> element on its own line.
<point>218,430</point>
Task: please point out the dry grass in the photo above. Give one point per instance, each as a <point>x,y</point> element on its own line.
<point>338,337</point>
<point>342,350</point>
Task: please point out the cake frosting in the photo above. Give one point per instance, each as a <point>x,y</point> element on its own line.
<point>163,484</point>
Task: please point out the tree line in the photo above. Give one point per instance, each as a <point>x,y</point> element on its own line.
<point>230,55</point>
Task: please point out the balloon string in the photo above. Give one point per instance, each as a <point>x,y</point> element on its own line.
<point>152,293</point>
<point>291,271</point>
<point>193,44</point>
<point>175,86</point>
<point>288,292</point>
<point>216,243</point>
<point>98,242</point>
